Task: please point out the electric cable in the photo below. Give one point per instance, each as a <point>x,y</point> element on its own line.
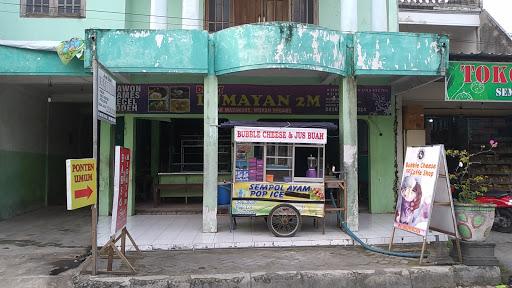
<point>352,235</point>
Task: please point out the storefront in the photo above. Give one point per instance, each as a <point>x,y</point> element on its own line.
<point>298,73</point>
<point>471,108</point>
<point>178,140</point>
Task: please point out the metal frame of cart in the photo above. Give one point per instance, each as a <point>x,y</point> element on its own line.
<point>269,174</point>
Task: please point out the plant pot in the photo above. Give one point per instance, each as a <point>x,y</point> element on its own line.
<point>474,221</point>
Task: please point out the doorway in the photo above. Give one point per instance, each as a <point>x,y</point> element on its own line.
<point>363,176</point>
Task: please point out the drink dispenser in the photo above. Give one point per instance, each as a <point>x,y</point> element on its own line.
<point>312,163</point>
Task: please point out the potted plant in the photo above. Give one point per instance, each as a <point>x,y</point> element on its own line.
<point>474,220</point>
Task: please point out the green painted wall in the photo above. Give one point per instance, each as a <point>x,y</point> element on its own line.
<point>137,14</point>
<point>17,61</point>
<point>22,185</point>
<point>99,14</point>
<point>381,163</point>
<point>22,150</point>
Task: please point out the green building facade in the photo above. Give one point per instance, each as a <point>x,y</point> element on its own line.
<point>348,45</point>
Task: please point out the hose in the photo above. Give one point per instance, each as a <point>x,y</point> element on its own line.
<point>354,237</point>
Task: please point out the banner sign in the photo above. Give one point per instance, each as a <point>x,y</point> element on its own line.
<point>281,135</point>
<point>258,198</point>
<point>249,99</point>
<point>106,97</point>
<point>121,182</point>
<point>413,209</point>
<point>479,81</point>
<point>80,183</point>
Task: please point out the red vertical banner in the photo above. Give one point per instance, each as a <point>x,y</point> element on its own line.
<point>121,182</point>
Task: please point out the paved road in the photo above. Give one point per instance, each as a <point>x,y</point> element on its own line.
<point>503,251</point>
<point>38,248</point>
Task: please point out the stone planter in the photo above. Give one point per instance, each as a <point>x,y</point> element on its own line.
<point>474,221</point>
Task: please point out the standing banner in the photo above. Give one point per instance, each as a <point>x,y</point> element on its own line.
<point>121,182</point>
<point>424,199</point>
<point>80,183</point>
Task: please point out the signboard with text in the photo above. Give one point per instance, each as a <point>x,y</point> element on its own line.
<point>280,135</point>
<point>106,97</point>
<point>80,183</point>
<point>258,198</point>
<point>424,197</point>
<point>121,182</point>
<point>479,81</point>
<point>248,99</point>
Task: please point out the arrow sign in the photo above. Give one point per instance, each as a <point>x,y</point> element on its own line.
<point>83,193</point>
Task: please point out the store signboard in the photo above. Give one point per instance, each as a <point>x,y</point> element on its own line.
<point>479,81</point>
<point>106,97</point>
<point>258,198</point>
<point>80,183</point>
<point>121,182</point>
<point>249,99</point>
<point>281,135</point>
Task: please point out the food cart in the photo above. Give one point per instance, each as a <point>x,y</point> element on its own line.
<point>278,173</point>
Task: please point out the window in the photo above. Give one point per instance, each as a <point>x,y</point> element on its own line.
<point>53,8</point>
<point>221,14</point>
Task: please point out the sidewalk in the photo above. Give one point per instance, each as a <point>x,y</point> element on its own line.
<point>38,249</point>
<point>288,267</point>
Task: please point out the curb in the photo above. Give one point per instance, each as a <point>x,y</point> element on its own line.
<point>417,277</point>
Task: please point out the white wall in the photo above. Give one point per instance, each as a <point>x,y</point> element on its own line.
<point>462,39</point>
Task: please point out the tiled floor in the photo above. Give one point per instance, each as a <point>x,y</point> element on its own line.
<point>176,232</point>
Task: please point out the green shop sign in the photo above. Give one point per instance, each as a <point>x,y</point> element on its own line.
<point>479,82</point>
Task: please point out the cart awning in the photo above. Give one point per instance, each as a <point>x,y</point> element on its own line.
<point>324,125</point>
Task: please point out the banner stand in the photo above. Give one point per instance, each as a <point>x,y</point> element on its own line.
<point>111,248</point>
<point>426,176</point>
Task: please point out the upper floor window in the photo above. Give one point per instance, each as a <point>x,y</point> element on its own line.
<point>220,14</point>
<point>53,8</point>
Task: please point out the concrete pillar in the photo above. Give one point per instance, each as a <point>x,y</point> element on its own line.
<point>211,145</point>
<point>349,15</point>
<point>348,137</point>
<point>155,148</point>
<point>190,12</point>
<point>129,142</point>
<point>380,15</point>
<point>210,154</point>
<point>158,18</point>
<point>105,165</point>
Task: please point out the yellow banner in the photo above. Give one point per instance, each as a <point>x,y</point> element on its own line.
<point>80,183</point>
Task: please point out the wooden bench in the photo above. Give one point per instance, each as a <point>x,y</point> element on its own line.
<point>176,190</point>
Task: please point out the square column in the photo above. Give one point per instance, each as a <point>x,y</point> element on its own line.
<point>348,139</point>
<point>129,142</point>
<point>105,165</point>
<point>211,99</point>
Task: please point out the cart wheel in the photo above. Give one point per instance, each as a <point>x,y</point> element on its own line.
<point>284,220</point>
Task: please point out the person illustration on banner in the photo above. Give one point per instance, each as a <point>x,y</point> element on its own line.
<point>409,202</point>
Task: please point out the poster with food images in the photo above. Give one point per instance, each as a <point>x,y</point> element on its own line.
<point>416,190</point>
<point>180,99</point>
<point>158,99</point>
<point>258,198</point>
